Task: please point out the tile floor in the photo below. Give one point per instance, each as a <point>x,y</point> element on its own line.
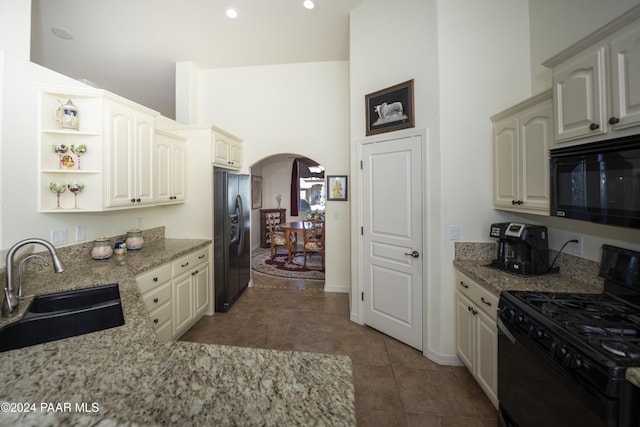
<point>394,384</point>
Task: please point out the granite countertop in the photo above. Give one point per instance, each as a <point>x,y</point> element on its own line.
<point>497,281</point>
<point>125,376</point>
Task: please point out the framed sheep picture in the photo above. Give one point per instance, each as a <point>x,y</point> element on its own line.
<point>390,109</point>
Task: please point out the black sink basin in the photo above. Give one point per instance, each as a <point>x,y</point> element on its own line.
<point>65,314</point>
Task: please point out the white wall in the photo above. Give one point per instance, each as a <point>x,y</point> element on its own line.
<point>468,62</point>
<point>556,25</point>
<point>290,108</point>
<point>15,25</point>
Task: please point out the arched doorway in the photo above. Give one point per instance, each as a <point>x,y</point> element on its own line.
<point>291,185</point>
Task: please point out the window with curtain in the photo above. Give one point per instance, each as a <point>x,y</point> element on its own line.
<point>307,186</point>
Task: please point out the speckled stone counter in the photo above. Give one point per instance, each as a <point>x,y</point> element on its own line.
<point>576,275</point>
<point>124,376</point>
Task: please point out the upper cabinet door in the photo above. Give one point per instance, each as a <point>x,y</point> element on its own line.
<point>625,78</point>
<point>535,140</point>
<point>119,140</point>
<point>505,165</point>
<point>579,96</point>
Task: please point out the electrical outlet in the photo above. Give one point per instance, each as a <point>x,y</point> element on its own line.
<point>454,232</point>
<point>139,223</point>
<point>80,233</point>
<point>59,237</point>
<point>576,248</point>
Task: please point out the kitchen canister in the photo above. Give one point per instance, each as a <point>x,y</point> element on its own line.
<point>101,248</point>
<point>134,239</point>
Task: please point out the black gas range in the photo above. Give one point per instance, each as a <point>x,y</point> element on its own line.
<point>562,357</point>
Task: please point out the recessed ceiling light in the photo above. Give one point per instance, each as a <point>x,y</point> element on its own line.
<point>232,13</point>
<point>308,4</point>
<point>62,33</point>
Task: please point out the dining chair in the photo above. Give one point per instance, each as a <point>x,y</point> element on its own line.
<point>277,236</point>
<point>313,235</point>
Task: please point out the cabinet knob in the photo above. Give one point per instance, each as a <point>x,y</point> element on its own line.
<point>138,200</point>
<point>464,285</point>
<point>184,265</point>
<point>485,301</point>
<point>614,120</point>
<point>155,321</point>
<point>155,300</point>
<point>594,126</point>
<point>133,200</point>
<point>155,279</point>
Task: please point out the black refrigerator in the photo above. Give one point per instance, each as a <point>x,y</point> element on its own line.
<point>231,237</point>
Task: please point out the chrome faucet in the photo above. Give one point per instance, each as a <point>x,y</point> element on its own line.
<point>11,302</point>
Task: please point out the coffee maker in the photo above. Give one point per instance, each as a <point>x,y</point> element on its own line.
<point>522,248</point>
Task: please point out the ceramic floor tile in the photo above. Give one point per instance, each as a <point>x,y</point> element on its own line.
<point>395,385</point>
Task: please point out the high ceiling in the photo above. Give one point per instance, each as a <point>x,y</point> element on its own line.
<point>130,47</point>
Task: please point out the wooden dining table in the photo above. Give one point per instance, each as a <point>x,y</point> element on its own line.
<point>291,227</point>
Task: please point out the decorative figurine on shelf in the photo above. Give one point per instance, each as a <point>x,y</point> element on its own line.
<point>75,189</point>
<point>278,199</point>
<point>67,115</point>
<point>61,151</point>
<point>78,150</point>
<point>58,189</point>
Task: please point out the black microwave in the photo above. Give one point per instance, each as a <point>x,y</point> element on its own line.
<point>598,182</point>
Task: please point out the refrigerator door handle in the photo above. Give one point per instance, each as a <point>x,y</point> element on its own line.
<point>241,231</point>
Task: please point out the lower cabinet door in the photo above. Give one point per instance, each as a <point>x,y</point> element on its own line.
<point>201,289</point>
<point>183,303</point>
<point>464,331</point>
<point>487,355</point>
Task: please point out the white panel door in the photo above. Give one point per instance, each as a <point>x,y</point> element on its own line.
<point>392,238</point>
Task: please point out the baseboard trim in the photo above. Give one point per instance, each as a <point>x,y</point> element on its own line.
<point>336,288</point>
<point>441,359</point>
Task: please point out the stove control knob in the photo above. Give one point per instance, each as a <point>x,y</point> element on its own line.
<point>567,360</point>
<point>560,351</point>
<point>576,363</point>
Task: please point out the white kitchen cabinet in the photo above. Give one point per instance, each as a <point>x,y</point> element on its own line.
<point>477,333</point>
<point>177,293</point>
<point>191,293</point>
<point>521,139</point>
<point>129,141</point>
<point>596,84</point>
<point>227,149</point>
<point>170,167</point>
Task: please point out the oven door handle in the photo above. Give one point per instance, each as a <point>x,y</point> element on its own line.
<point>503,328</point>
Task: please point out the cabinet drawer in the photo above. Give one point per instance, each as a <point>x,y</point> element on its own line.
<point>151,279</point>
<point>188,262</point>
<point>160,316</point>
<point>164,332</point>
<point>478,295</point>
<point>157,297</point>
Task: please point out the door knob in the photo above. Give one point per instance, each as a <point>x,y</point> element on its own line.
<point>414,254</point>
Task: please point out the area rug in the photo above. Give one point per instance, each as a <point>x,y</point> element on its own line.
<point>262,263</point>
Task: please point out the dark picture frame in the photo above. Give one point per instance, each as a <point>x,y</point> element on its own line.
<point>390,109</point>
<point>337,187</point>
<point>256,192</point>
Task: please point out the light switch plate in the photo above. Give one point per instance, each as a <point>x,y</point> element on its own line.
<point>59,237</point>
<point>454,232</point>
<point>80,233</point>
